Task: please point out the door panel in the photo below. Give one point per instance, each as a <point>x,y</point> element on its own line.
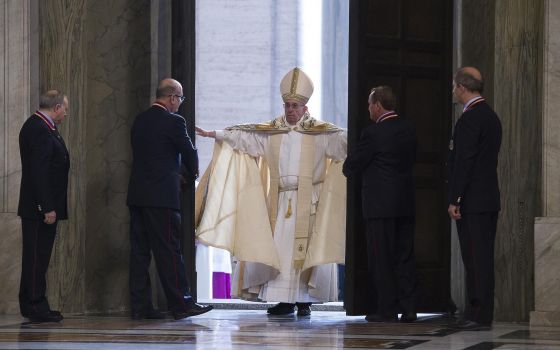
<point>407,45</point>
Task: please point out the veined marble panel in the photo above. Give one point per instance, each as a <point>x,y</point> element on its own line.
<point>17,88</point>
<point>477,46</point>
<point>547,279</point>
<point>10,263</point>
<point>14,102</point>
<point>551,108</point>
<point>62,66</point>
<point>547,257</point>
<point>517,87</point>
<point>547,229</point>
<point>118,75</point>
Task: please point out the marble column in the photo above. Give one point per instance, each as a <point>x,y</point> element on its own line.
<point>62,65</point>
<point>517,91</point>
<point>118,85</point>
<point>547,228</point>
<point>18,98</point>
<point>510,61</point>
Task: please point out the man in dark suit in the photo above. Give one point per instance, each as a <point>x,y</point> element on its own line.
<point>474,195</point>
<point>160,145</point>
<point>385,157</point>
<point>45,163</point>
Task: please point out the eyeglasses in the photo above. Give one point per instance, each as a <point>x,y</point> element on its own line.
<point>292,105</point>
<point>181,98</point>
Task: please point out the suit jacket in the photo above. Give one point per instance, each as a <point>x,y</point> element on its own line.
<point>45,163</point>
<point>385,157</point>
<point>473,161</point>
<point>160,144</point>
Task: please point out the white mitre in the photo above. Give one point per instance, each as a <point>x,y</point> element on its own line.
<point>296,85</point>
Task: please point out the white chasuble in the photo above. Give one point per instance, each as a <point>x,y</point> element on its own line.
<point>317,281</point>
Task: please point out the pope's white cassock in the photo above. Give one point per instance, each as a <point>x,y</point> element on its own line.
<point>275,197</point>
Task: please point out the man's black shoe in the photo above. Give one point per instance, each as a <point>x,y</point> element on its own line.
<point>378,318</point>
<point>468,325</point>
<point>193,310</point>
<point>49,316</point>
<point>150,315</point>
<point>409,317</point>
<point>281,309</point>
<point>303,309</point>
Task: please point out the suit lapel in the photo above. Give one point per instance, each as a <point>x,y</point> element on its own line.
<point>59,138</point>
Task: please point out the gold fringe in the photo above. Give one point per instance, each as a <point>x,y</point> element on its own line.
<point>289,211</point>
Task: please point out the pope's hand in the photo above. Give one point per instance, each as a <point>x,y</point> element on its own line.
<point>205,133</point>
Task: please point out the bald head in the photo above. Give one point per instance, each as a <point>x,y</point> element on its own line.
<point>473,72</point>
<point>470,78</point>
<point>168,87</point>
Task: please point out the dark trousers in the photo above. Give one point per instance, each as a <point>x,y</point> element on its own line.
<point>157,231</point>
<point>38,240</point>
<point>390,243</point>
<point>477,233</point>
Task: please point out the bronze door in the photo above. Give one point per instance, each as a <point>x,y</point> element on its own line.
<point>406,44</point>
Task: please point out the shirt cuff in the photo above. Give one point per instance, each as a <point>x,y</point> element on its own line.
<point>457,201</point>
<point>219,135</point>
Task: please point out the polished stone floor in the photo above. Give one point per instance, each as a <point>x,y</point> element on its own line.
<point>253,329</point>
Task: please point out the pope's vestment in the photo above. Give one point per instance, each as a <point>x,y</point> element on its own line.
<point>275,197</point>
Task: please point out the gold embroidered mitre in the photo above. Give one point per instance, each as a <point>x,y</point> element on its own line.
<point>296,85</point>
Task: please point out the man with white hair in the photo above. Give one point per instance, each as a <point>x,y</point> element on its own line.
<point>45,163</point>
<point>273,216</point>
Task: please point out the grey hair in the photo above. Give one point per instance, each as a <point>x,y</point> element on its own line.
<point>50,99</point>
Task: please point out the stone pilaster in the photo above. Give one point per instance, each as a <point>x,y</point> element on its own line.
<point>510,60</point>
<point>547,228</point>
<point>18,98</point>
<point>517,88</point>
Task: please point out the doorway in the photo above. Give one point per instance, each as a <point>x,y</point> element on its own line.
<point>396,42</point>
<point>243,49</point>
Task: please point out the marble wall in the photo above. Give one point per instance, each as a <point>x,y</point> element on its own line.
<point>547,228</point>
<point>476,45</point>
<point>118,85</point>
<point>551,108</point>
<point>547,279</point>
<point>18,62</point>
<point>517,91</point>
<point>62,66</point>
<point>510,61</point>
<point>99,53</point>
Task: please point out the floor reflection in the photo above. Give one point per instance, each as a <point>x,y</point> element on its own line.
<point>249,329</point>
